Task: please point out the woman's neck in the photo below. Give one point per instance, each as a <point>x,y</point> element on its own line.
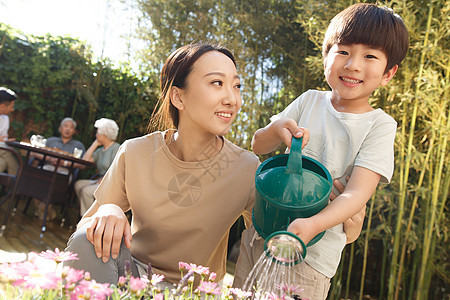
<point>107,144</point>
<point>194,147</point>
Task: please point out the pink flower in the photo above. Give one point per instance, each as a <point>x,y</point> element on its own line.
<point>9,270</point>
<point>159,297</point>
<point>92,290</point>
<point>138,284</point>
<point>212,276</point>
<point>273,296</point>
<point>156,279</point>
<point>71,275</point>
<point>289,289</point>
<point>209,288</point>
<point>240,293</point>
<point>58,256</point>
<point>122,281</point>
<point>199,269</point>
<point>28,274</point>
<point>183,266</point>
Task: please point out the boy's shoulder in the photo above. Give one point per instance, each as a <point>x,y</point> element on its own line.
<point>313,97</point>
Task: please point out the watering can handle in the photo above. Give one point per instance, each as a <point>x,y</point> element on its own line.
<point>296,144</point>
<point>294,163</point>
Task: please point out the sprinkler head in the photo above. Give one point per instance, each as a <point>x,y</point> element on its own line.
<point>285,248</point>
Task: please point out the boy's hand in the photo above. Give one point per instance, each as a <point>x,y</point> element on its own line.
<point>303,229</point>
<point>287,128</point>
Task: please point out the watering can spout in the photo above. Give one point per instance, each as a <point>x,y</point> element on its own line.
<point>285,248</point>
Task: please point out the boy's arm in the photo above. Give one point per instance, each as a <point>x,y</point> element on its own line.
<point>354,224</point>
<point>267,139</point>
<point>358,191</point>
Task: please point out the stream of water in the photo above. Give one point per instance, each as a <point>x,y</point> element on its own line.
<point>269,274</point>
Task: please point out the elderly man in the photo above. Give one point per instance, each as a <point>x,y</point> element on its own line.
<point>65,142</point>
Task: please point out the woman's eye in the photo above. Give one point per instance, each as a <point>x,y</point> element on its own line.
<point>218,82</point>
<point>238,86</point>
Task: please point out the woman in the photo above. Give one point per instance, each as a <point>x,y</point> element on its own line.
<point>185,186</point>
<point>102,152</point>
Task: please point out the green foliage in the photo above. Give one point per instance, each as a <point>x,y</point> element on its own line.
<point>56,77</point>
<point>265,36</point>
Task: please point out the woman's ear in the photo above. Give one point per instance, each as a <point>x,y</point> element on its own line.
<point>175,98</point>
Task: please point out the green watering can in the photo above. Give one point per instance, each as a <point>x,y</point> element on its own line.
<point>288,186</point>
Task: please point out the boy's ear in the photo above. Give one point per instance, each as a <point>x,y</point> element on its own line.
<point>389,75</point>
<point>175,98</point>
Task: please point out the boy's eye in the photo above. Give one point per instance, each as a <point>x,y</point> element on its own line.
<point>343,52</point>
<point>371,56</point>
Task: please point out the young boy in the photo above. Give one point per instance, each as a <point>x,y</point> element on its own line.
<point>8,162</point>
<point>362,48</point>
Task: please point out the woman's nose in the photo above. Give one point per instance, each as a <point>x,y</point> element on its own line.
<point>232,97</point>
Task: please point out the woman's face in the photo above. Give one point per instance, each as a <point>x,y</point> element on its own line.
<point>101,138</point>
<point>211,100</point>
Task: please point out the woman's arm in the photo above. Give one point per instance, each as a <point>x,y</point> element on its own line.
<point>358,191</point>
<point>90,151</point>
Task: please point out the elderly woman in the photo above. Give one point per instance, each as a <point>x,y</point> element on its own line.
<point>102,152</point>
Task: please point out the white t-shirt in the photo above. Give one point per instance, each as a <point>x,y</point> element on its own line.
<point>340,141</point>
<point>4,127</point>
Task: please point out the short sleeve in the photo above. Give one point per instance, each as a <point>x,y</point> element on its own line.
<point>292,111</point>
<point>377,151</point>
<point>112,189</point>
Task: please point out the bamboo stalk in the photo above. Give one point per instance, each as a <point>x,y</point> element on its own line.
<point>428,238</point>
<point>411,215</point>
<point>349,272</point>
<point>403,195</point>
<point>366,246</point>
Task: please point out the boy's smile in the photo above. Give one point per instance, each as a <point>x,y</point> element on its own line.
<point>353,72</point>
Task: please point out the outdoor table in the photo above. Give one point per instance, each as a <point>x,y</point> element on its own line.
<point>45,185</point>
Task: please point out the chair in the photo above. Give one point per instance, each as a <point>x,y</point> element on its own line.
<point>9,182</point>
<point>36,182</point>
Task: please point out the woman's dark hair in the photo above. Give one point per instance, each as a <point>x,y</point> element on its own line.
<point>175,71</point>
<point>369,24</point>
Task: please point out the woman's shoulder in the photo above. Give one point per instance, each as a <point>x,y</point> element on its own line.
<point>145,140</point>
<point>243,154</point>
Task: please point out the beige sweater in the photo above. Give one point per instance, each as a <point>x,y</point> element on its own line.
<point>182,211</point>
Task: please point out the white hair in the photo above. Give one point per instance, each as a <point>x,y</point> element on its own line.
<point>70,120</point>
<point>107,127</point>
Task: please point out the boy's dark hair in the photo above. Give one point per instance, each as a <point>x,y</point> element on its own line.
<point>6,95</point>
<point>369,24</point>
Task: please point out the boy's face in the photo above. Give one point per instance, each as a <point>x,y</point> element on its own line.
<point>354,71</point>
<point>6,108</point>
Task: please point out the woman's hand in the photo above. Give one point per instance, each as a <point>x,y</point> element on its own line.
<point>107,228</point>
<point>353,225</point>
